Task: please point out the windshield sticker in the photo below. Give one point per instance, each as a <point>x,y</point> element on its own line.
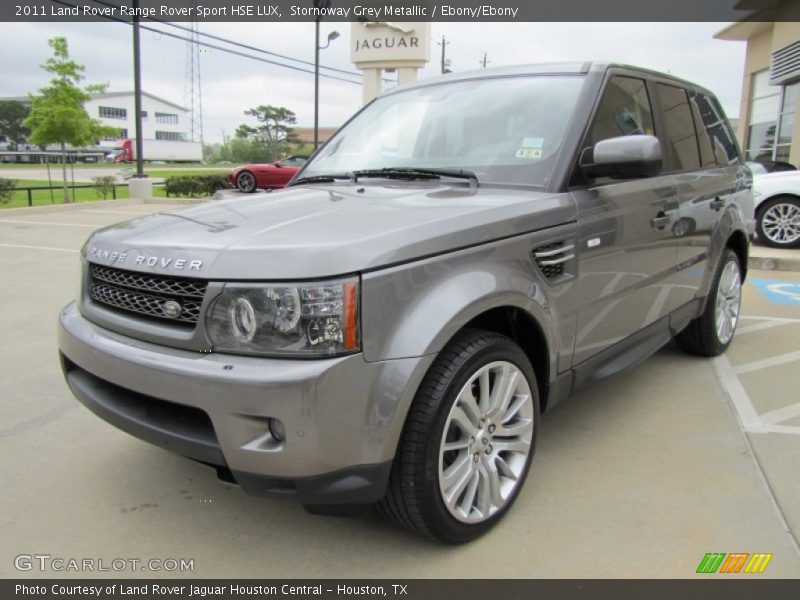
<point>529,153</point>
<point>533,142</point>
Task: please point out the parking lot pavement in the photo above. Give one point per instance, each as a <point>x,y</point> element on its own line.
<point>641,475</point>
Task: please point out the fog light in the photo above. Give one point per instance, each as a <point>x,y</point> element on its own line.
<point>277,430</point>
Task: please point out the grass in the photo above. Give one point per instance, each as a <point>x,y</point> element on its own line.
<point>43,197</point>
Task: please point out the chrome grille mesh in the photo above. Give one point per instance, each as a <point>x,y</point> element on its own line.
<point>146,294</point>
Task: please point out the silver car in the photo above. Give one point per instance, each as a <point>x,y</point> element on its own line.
<point>460,257</point>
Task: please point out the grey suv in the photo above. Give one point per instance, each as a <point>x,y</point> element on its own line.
<point>461,256</point>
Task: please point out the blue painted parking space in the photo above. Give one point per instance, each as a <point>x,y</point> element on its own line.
<point>778,291</point>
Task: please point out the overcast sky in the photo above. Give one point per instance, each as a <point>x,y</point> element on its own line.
<point>232,84</point>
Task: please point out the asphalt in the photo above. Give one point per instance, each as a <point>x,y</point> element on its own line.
<point>638,476</point>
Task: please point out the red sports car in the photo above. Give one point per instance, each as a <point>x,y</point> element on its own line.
<point>271,176</point>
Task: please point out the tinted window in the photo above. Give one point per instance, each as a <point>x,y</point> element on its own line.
<point>624,110</point>
<point>720,135</point>
<point>681,151</point>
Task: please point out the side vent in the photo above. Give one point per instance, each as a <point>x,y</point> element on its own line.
<point>552,259</point>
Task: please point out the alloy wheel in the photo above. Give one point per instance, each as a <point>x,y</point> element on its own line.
<point>729,297</point>
<point>486,442</point>
<point>781,223</point>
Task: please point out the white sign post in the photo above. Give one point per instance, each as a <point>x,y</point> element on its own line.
<point>377,46</point>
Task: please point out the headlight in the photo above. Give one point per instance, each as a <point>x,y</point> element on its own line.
<point>308,319</point>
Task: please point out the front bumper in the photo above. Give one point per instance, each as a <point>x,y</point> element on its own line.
<point>343,416</point>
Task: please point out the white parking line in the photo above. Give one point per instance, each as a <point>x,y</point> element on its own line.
<point>38,248</point>
<point>757,327</point>
<point>94,226</point>
<point>766,363</point>
<point>741,401</point>
<point>779,415</point>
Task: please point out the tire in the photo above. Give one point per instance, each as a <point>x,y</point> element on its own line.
<point>418,485</point>
<point>707,335</point>
<point>246,182</point>
<point>778,222</point>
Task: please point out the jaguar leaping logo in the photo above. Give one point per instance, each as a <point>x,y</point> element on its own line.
<point>401,27</point>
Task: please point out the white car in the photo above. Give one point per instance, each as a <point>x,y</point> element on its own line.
<point>777,198</point>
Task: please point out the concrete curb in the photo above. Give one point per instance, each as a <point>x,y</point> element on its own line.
<point>771,263</point>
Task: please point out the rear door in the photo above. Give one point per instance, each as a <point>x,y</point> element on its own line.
<point>707,178</point>
<point>627,253</point>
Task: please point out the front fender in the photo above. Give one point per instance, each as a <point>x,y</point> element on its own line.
<point>415,309</point>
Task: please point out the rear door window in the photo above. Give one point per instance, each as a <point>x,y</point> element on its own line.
<point>721,137</point>
<point>682,151</point>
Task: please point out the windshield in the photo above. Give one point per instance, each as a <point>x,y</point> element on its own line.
<point>505,130</point>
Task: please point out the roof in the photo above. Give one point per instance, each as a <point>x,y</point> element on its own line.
<point>26,99</point>
<point>557,68</point>
<point>762,17</point>
<point>130,93</point>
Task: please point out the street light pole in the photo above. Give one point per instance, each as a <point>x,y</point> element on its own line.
<point>331,36</point>
<point>137,91</point>
<point>316,85</point>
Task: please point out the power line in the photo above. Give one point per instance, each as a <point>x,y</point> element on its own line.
<point>239,44</point>
<point>220,48</point>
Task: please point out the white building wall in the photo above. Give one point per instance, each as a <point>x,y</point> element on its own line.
<point>150,124</point>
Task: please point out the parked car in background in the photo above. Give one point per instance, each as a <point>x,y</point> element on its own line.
<point>769,166</point>
<point>777,199</point>
<point>270,176</point>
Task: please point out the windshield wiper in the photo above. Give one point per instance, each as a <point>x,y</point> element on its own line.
<point>416,173</point>
<point>328,178</point>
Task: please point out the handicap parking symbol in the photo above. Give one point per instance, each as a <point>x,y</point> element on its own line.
<point>778,291</point>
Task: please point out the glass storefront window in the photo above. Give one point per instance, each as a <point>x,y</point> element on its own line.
<point>771,118</point>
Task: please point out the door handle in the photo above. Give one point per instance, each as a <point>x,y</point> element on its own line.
<point>717,203</point>
<point>661,220</point>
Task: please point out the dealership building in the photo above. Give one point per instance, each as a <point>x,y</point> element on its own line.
<point>768,128</point>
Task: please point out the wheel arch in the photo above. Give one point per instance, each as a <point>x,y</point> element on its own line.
<point>737,241</point>
<point>522,327</point>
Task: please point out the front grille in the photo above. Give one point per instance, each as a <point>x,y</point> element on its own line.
<point>146,294</point>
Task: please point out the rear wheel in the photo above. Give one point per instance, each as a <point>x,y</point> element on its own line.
<point>468,440</point>
<point>778,222</point>
<point>246,182</point>
<point>712,332</point>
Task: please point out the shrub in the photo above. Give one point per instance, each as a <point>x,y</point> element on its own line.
<point>7,187</point>
<point>194,185</point>
<point>104,185</point>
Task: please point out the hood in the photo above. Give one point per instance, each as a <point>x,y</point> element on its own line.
<point>309,232</point>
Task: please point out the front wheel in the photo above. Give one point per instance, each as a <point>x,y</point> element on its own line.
<point>712,332</point>
<point>778,222</point>
<point>468,440</point>
<point>246,182</point>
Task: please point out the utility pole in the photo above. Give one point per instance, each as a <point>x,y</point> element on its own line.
<point>137,91</point>
<point>484,61</point>
<point>444,44</point>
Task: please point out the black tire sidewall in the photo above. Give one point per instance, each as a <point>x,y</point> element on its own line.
<point>497,348</point>
<point>762,209</point>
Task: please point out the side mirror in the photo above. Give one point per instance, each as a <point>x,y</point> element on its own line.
<point>278,164</point>
<point>624,157</point>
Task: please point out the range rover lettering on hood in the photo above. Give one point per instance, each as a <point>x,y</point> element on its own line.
<point>115,257</point>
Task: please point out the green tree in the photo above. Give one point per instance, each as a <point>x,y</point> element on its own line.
<point>274,130</point>
<point>12,115</point>
<point>57,115</point>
